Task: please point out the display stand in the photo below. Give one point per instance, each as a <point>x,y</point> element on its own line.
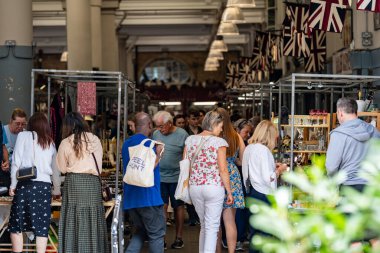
<point>105,81</point>
<point>326,82</point>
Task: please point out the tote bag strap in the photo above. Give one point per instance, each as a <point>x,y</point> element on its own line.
<point>202,143</point>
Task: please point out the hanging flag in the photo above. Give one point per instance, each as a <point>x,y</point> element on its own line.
<point>274,49</point>
<point>295,30</point>
<point>255,58</point>
<point>327,15</point>
<point>86,98</point>
<point>232,75</point>
<point>368,5</point>
<point>316,61</point>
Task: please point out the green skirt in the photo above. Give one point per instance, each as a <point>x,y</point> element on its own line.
<point>82,224</point>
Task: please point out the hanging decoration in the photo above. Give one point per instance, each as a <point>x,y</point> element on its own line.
<point>328,15</point>
<point>86,100</point>
<point>232,75</point>
<point>246,71</point>
<point>316,60</point>
<point>295,30</point>
<point>368,5</point>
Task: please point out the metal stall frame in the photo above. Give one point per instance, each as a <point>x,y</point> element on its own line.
<point>328,83</point>
<point>102,77</point>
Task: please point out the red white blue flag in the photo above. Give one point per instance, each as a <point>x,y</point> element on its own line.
<point>232,75</point>
<point>317,58</point>
<point>327,15</point>
<point>368,5</point>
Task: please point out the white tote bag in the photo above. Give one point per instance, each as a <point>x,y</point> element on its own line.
<point>140,168</point>
<point>182,191</point>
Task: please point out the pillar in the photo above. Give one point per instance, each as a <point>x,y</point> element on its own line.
<point>130,65</point>
<point>16,56</point>
<point>96,33</point>
<point>78,27</point>
<point>110,41</point>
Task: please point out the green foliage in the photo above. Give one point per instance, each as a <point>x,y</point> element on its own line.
<point>325,222</point>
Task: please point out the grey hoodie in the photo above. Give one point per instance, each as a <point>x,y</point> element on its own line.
<point>347,148</point>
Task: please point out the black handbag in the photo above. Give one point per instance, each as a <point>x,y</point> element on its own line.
<point>106,191</point>
<point>28,173</point>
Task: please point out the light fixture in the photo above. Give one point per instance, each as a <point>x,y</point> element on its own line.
<point>233,15</point>
<point>212,62</point>
<point>204,103</point>
<point>215,54</point>
<point>309,85</point>
<point>219,44</point>
<point>170,103</point>
<point>320,85</point>
<point>241,3</point>
<point>64,56</point>
<point>210,69</point>
<point>228,29</point>
<point>43,87</point>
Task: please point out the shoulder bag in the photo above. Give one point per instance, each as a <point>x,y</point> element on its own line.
<point>28,173</point>
<point>182,191</point>
<point>106,191</point>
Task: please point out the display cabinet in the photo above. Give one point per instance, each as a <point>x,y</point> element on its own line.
<point>370,117</point>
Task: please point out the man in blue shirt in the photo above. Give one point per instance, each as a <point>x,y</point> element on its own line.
<point>144,204</point>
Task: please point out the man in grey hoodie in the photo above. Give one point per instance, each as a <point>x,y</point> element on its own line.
<point>349,143</point>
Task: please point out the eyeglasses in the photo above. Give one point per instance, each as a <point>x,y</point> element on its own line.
<point>23,124</point>
<point>162,125</point>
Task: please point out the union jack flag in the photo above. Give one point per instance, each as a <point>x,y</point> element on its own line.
<point>294,30</point>
<point>246,73</point>
<point>232,75</point>
<point>328,15</point>
<point>368,5</point>
<point>316,60</point>
<point>255,58</point>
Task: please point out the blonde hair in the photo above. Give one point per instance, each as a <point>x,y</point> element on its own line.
<point>265,133</point>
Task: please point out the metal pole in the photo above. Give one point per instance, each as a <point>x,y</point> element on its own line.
<point>292,122</point>
<point>342,92</point>
<point>245,105</point>
<point>66,90</point>
<point>48,105</point>
<point>125,110</point>
<point>134,99</point>
<point>261,101</point>
<point>115,227</point>
<point>32,95</point>
<point>270,101</point>
<point>118,136</point>
<point>253,102</point>
<point>331,107</point>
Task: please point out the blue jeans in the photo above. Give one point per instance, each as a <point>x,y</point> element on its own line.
<point>150,225</point>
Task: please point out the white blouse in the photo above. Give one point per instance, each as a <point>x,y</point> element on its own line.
<point>258,163</point>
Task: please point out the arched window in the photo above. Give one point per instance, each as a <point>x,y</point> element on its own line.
<point>166,71</point>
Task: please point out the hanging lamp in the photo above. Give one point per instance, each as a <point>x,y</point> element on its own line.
<point>233,14</point>
<point>212,62</point>
<point>228,29</point>
<point>215,54</point>
<point>241,3</point>
<point>219,45</point>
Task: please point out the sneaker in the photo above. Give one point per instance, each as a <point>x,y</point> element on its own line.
<point>168,222</point>
<point>178,244</point>
<point>239,246</point>
<point>224,245</point>
<point>165,246</point>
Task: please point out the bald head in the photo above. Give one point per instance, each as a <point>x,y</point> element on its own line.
<point>143,123</point>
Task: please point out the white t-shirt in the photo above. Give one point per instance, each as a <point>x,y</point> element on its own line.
<point>258,163</point>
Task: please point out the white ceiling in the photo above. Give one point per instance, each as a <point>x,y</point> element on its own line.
<point>152,25</point>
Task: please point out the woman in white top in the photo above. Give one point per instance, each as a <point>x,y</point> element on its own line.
<point>31,208</point>
<point>260,172</point>
<point>209,178</point>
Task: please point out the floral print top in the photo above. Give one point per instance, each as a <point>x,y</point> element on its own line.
<point>204,170</point>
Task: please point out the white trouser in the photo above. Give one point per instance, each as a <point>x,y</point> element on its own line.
<point>208,202</point>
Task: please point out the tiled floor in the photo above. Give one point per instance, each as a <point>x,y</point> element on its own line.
<point>190,238</point>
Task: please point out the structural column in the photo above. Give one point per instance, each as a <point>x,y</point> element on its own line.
<point>16,56</point>
<point>79,35</point>
<point>96,33</point>
<point>110,52</point>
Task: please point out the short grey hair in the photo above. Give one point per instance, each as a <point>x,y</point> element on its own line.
<point>347,105</point>
<point>164,115</point>
<point>211,120</point>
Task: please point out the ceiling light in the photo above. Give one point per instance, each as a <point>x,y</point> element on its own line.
<point>64,56</point>
<point>170,103</point>
<point>320,85</point>
<point>219,44</point>
<point>204,103</point>
<point>43,87</point>
<point>228,29</point>
<point>309,85</point>
<point>210,69</point>
<point>241,3</point>
<point>233,15</point>
<point>215,54</point>
<point>212,62</point>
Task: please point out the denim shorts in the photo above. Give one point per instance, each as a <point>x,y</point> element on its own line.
<point>168,191</point>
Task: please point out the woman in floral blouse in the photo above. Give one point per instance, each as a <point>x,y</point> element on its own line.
<point>209,178</point>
